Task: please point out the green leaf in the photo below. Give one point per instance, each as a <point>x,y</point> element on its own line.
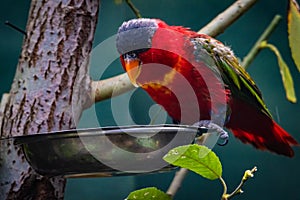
<point>294,31</point>
<point>196,158</point>
<point>286,76</point>
<point>149,193</point>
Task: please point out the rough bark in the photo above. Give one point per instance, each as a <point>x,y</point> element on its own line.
<point>51,76</point>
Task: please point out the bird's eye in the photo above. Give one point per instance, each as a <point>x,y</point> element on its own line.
<point>130,56</point>
<point>134,54</point>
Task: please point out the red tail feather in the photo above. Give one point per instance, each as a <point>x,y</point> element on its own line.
<point>252,126</point>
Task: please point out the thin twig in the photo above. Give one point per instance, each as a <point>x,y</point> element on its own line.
<point>248,174</point>
<point>15,27</point>
<point>177,181</point>
<point>134,9</point>
<point>256,47</point>
<point>226,18</point>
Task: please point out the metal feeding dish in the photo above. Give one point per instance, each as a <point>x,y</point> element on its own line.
<point>105,151</point>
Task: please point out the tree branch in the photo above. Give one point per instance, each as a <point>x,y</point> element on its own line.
<point>105,89</point>
<point>257,46</point>
<point>177,181</point>
<point>226,18</point>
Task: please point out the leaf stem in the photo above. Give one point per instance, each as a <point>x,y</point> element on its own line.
<point>286,76</point>
<point>134,9</point>
<point>224,195</point>
<point>257,46</point>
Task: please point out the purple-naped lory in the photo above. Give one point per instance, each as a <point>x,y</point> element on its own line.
<point>196,78</point>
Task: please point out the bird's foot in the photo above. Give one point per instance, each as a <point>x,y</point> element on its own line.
<point>207,124</point>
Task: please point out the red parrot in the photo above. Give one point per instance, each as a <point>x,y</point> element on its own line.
<point>197,78</point>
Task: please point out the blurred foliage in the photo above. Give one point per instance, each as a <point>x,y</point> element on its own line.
<point>294,31</point>
<point>286,76</point>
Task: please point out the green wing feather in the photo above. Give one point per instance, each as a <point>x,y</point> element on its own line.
<point>234,76</point>
<point>240,83</point>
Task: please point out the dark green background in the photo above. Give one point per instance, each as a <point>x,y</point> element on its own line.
<point>277,176</point>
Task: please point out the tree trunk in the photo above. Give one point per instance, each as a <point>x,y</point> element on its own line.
<point>51,76</point>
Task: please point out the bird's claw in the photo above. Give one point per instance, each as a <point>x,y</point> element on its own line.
<point>207,124</point>
<point>224,143</point>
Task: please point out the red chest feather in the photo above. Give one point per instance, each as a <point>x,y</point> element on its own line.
<point>188,91</point>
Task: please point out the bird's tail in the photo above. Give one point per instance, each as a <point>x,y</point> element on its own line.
<point>253,126</point>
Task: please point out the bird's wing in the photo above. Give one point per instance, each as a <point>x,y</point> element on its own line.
<point>233,74</point>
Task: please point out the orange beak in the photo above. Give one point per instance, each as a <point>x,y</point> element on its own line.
<point>133,69</point>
